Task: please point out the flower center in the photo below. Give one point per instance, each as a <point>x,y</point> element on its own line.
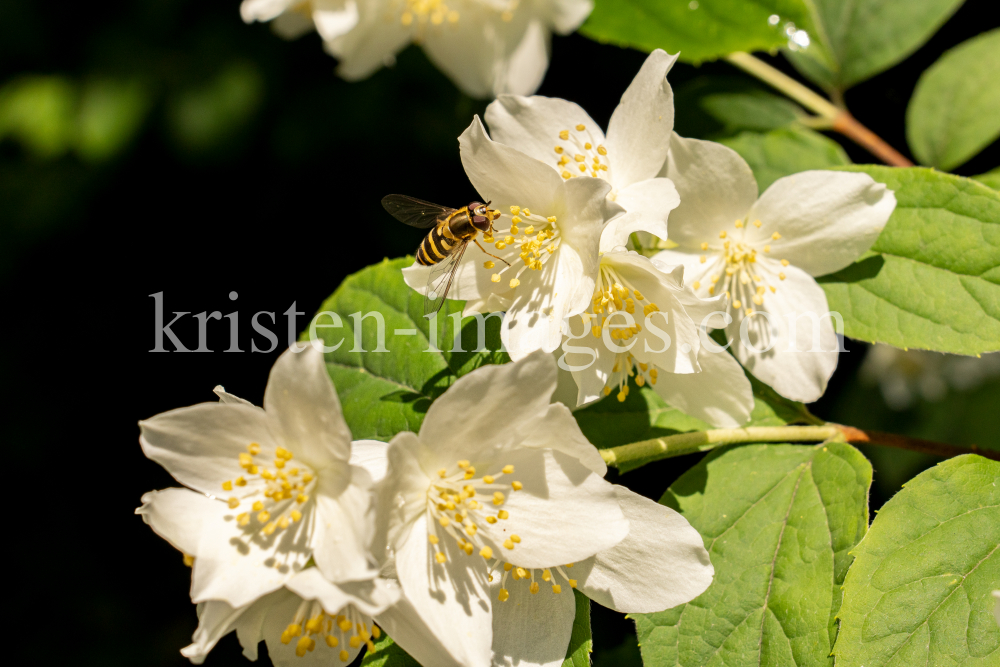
<point>438,12</point>
<point>744,280</point>
<point>550,576</point>
<point>536,235</point>
<point>349,628</point>
<point>452,504</point>
<point>286,490</point>
<point>580,154</point>
<point>627,366</point>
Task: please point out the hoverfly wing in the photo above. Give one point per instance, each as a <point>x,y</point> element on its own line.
<point>440,281</point>
<point>414,212</point>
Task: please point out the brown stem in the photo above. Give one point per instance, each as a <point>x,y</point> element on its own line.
<point>857,436</point>
<point>848,126</point>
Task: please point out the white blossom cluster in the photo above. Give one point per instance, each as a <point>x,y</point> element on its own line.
<point>732,260</point>
<point>487,47</point>
<point>464,541</point>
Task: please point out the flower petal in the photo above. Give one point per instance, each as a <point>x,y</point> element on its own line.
<point>372,455</point>
<point>531,630</point>
<point>344,525</point>
<point>240,564</point>
<point>334,18</point>
<point>215,620</point>
<point>303,406</point>
<point>369,597</point>
<point>648,204</point>
<point>720,394</point>
<point>507,177</point>
<point>826,219</point>
<point>522,388</point>
<point>567,15</point>
<point>563,513</point>
<point>793,368</point>
<point>406,627</point>
<point>176,515</point>
<point>263,10</point>
<point>370,45</point>
<point>661,564</point>
<point>226,397</point>
<point>640,128</point>
<point>200,445</point>
<point>532,125</point>
<point>716,187</point>
<point>452,600</point>
<point>559,431</point>
<point>292,24</point>
<point>590,377</point>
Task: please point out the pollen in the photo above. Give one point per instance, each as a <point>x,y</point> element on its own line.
<point>498,498</point>
<point>488,264</point>
<point>722,234</point>
<point>514,282</point>
<point>581,127</point>
<point>776,236</point>
<point>234,503</point>
<point>508,543</point>
<point>494,278</point>
<point>227,486</point>
<point>504,595</point>
<point>564,135</point>
<point>784,262</point>
<point>696,284</point>
<point>703,259</point>
<point>502,514</point>
<point>704,246</point>
<point>517,486</point>
<point>559,150</point>
<point>486,552</point>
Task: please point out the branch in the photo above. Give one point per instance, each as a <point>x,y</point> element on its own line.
<point>701,441</point>
<point>828,115</point>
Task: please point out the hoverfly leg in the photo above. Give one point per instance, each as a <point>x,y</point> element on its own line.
<point>476,241</point>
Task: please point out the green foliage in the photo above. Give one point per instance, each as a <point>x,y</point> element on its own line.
<point>700,30</point>
<point>990,179</point>
<point>955,110</point>
<point>757,111</point>
<point>384,393</point>
<point>935,282</point>
<point>53,115</point>
<point>580,642</point>
<point>779,522</point>
<point>388,654</point>
<point>786,151</point>
<point>919,590</point>
<point>209,115</point>
<point>860,39</point>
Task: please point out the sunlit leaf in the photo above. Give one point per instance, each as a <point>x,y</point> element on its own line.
<point>933,279</point>
<point>384,393</point>
<point>918,592</point>
<point>779,522</point>
<point>865,37</point>
<point>786,151</point>
<point>955,110</point>
<point>699,29</point>
<point>990,178</point>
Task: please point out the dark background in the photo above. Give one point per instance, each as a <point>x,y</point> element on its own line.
<point>254,169</point>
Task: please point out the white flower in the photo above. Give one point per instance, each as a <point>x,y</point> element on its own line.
<point>660,564</point>
<point>764,253</point>
<point>278,488</point>
<point>630,157</point>
<point>549,232</point>
<point>497,479</point>
<point>306,613</point>
<point>487,47</point>
<point>643,323</point>
<point>293,18</point>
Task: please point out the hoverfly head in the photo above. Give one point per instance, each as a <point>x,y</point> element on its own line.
<point>481,216</point>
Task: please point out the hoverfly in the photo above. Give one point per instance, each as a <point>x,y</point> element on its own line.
<point>444,246</point>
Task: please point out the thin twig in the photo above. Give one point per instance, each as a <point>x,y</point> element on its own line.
<point>701,441</point>
<point>828,115</point>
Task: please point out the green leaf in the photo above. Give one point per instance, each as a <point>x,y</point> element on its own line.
<point>955,109</point>
<point>919,590</point>
<point>755,111</point>
<point>700,30</point>
<point>990,179</point>
<point>383,393</point>
<point>388,654</point>
<point>865,37</point>
<point>936,283</point>
<point>581,644</point>
<point>786,151</point>
<point>779,522</point>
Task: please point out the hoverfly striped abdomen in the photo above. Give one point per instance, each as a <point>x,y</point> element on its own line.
<point>438,244</point>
